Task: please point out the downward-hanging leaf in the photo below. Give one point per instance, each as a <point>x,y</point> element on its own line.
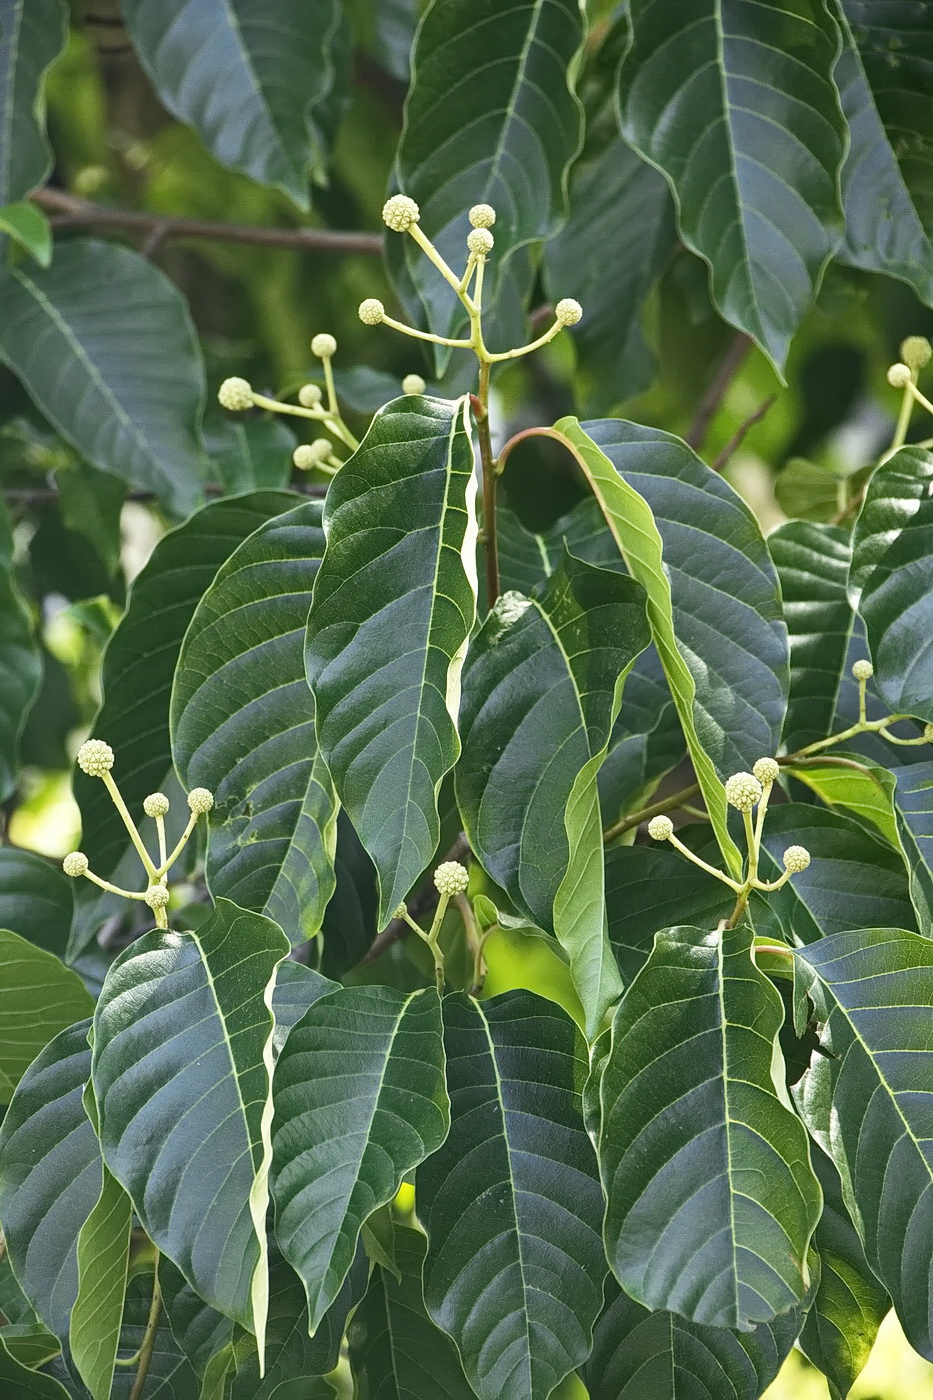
<point>735,104</point>
<point>394,603</point>
<point>714,602</point>
<point>913,810</point>
<point>103,1261</point>
<point>869,1104</point>
<point>20,1383</point>
<point>185,1101</point>
<point>104,344</point>
<point>541,689</point>
<point>490,117</point>
<point>20,662</point>
<point>32,36</point>
<point>41,997</point>
<point>359,1101</point>
<point>250,80</point>
<point>891,582</point>
<point>711,1201</point>
<point>36,899</point>
<point>243,727</point>
<point>512,1199</point>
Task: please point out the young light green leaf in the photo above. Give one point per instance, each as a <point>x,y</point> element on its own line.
<point>868,1102</point>
<point>541,689</point>
<point>21,1383</point>
<point>359,1101</point>
<point>185,1105</point>
<point>41,997</point>
<point>866,791</point>
<point>737,108</point>
<point>32,36</point>
<point>711,1201</point>
<point>394,602</point>
<point>103,1262</point>
<point>20,661</point>
<point>512,1196</point>
<point>104,344</point>
<point>243,727</point>
<point>913,810</point>
<point>27,225</point>
<point>250,81</point>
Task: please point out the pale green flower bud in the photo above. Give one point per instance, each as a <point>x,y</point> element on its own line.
<point>75,864</point>
<point>309,455</point>
<point>766,771</point>
<point>413,384</point>
<point>95,758</point>
<point>451,878</point>
<point>743,791</point>
<point>235,394</point>
<point>200,800</point>
<point>916,351</point>
<point>155,805</point>
<point>400,912</point>
<point>482,216</point>
<point>480,242</point>
<point>796,858</point>
<point>400,212</point>
<point>568,311</point>
<point>371,311</point>
<point>899,376</point>
<point>863,670</point>
<point>323,345</point>
<point>156,896</point>
<point>660,828</point>
<point>309,396</point>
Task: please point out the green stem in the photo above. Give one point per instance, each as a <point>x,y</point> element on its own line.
<point>752,869</point>
<point>658,809</point>
<point>182,843</point>
<point>903,421</point>
<point>490,535</point>
<point>111,889</point>
<point>160,832</point>
<point>149,1336</point>
<point>704,865</point>
<point>117,798</point>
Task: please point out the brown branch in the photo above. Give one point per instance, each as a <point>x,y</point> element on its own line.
<point>423,902</point>
<point>732,362</point>
<point>69,211</point>
<point>657,809</point>
<point>738,437</point>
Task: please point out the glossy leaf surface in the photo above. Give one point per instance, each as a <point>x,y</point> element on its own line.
<point>41,997</point>
<point>32,37</point>
<point>103,1260</point>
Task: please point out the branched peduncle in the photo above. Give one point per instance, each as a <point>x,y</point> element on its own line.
<point>451,880</point>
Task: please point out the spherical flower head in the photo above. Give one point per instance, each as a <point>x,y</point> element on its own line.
<point>309,455</point>
<point>155,805</point>
<point>371,311</point>
<point>766,771</point>
<point>95,758</point>
<point>75,864</point>
<point>413,384</point>
<point>309,396</point>
<point>200,800</point>
<point>451,878</point>
<point>323,345</point>
<point>660,828</point>
<point>796,858</point>
<point>482,216</point>
<point>156,896</point>
<point>743,791</point>
<point>400,212</point>
<point>863,670</point>
<point>235,394</point>
<point>899,376</point>
<point>916,351</point>
<point>480,242</point>
<point>568,311</point>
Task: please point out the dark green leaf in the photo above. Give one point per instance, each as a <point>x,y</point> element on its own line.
<point>170,1377</point>
<point>251,453</point>
<point>184,1108</point>
<point>20,1383</point>
<point>512,1200</point>
<point>200,1332</point>
<point>250,81</point>
<point>394,603</point>
<point>395,23</point>
<point>296,988</point>
<point>104,344</point>
<point>243,727</point>
<point>736,105</point>
<point>541,689</point>
<point>350,918</point>
<point>103,1261</point>
<point>41,998</point>
<point>359,1101</point>
<point>913,810</point>
<point>20,662</point>
<point>29,227</point>
<point>36,899</point>
<point>32,37</point>
<point>711,1201</point>
<point>91,505</point>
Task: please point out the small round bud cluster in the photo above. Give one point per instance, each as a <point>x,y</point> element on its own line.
<point>155,805</point>
<point>400,212</point>
<point>766,771</point>
<point>400,912</point>
<point>323,345</point>
<point>568,311</point>
<point>156,896</point>
<point>916,351</point>
<point>480,242</point>
<point>309,396</point>
<point>899,376</point>
<point>482,216</point>
<point>660,828</point>
<point>863,670</point>
<point>796,858</point>
<point>371,311</point>
<point>95,758</point>
<point>75,864</point>
<point>743,791</point>
<point>235,394</point>
<point>451,878</point>
<point>200,800</point>
<point>309,455</point>
<point>413,384</point>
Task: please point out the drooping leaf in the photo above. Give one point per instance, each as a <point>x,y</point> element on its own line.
<point>20,662</point>
<point>36,899</point>
<point>251,81</point>
<point>541,689</point>
<point>41,997</point>
<point>913,810</point>
<point>103,1261</point>
<point>243,727</point>
<point>104,345</point>
<point>891,583</point>
<point>251,453</point>
<point>714,602</point>
<point>512,1201</point>
<point>359,1101</point>
<point>394,603</point>
<point>32,37</point>
<point>867,1101</point>
<point>185,1107</point>
<point>737,107</point>
<point>21,1383</point>
<point>491,117</point>
<point>27,225</point>
<point>711,1201</point>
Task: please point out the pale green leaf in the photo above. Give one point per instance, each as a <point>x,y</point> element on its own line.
<point>103,1262</point>
<point>27,225</point>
